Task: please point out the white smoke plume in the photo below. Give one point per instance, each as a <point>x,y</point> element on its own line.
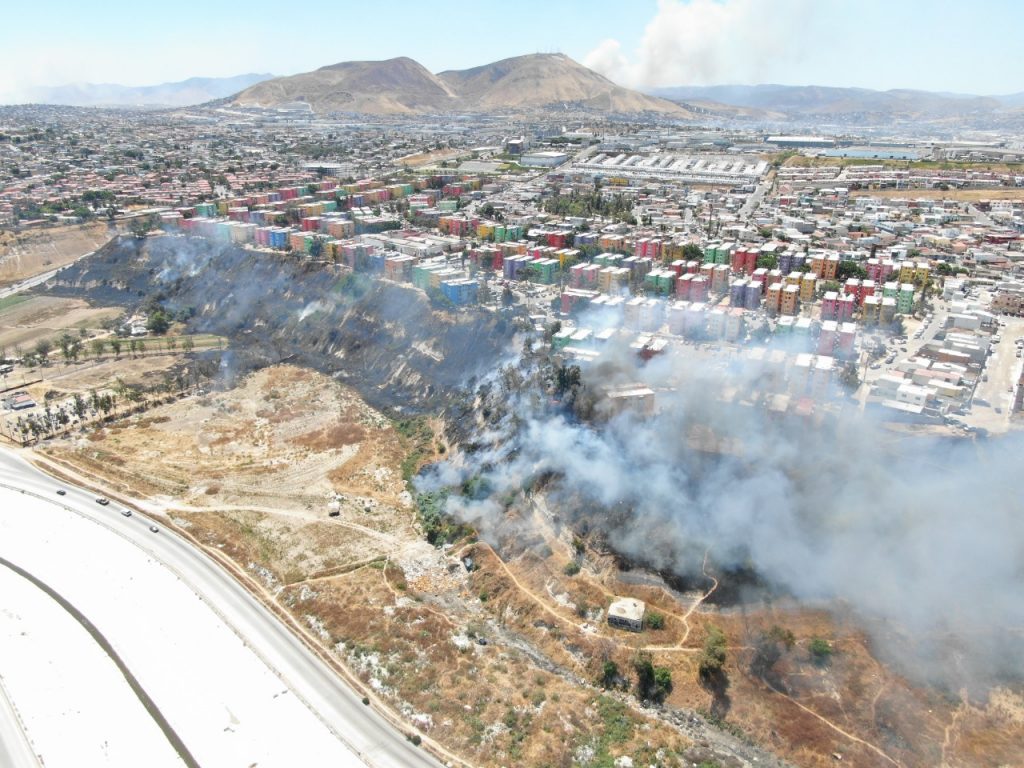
<point>707,42</point>
<point>922,535</point>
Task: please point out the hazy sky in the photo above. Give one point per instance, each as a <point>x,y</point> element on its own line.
<point>948,45</point>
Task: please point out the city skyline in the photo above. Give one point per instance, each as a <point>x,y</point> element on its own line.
<point>945,47</point>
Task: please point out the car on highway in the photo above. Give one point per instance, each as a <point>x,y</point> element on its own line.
<point>102,501</point>
<point>61,492</point>
<point>154,529</point>
<point>126,512</point>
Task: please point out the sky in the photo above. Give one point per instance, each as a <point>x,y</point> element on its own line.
<point>964,46</point>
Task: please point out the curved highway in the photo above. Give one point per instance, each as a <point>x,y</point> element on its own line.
<point>369,739</point>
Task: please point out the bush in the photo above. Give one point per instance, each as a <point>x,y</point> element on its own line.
<point>821,651</point>
<point>571,568</point>
<point>654,620</point>
<point>609,674</point>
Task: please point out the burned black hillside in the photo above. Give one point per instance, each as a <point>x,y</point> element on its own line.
<point>383,339</point>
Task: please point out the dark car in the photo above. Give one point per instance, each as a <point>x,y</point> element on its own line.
<point>102,501</point>
<point>61,492</point>
<point>154,529</point>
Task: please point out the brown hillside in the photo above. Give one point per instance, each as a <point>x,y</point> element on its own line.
<point>402,86</point>
<point>391,87</point>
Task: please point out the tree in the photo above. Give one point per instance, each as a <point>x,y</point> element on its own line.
<point>767,261</point>
<point>79,406</point>
<point>316,248</point>
<point>65,342</point>
<point>609,674</point>
<point>42,349</point>
<point>710,665</point>
<point>821,651</point>
<point>654,620</point>
<point>140,226</point>
<point>115,347</point>
<point>98,345</point>
<point>693,252</point>
<point>158,322</point>
<point>652,684</point>
<point>848,269</point>
<point>188,344</point>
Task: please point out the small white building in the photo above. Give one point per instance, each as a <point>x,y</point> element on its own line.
<point>627,613</point>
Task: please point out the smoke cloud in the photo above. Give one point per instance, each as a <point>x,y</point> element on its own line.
<point>706,42</point>
<point>917,535</point>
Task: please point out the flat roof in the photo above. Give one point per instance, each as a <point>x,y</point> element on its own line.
<point>627,608</point>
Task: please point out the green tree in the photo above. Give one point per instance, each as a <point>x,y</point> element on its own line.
<point>652,684</point>
<point>158,322</point>
<point>65,343</point>
<point>609,674</point>
<point>42,350</point>
<point>188,344</point>
<point>654,620</point>
<point>767,261</point>
<point>693,252</point>
<point>711,664</point>
<point>821,651</point>
<point>848,269</point>
<point>115,347</point>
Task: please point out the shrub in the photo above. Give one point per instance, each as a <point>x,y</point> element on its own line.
<point>821,651</point>
<point>654,620</point>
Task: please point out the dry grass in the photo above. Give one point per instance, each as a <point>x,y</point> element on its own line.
<point>25,254</point>
<point>960,195</point>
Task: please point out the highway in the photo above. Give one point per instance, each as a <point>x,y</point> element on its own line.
<point>365,734</point>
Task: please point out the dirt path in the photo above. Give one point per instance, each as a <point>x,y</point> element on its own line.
<point>685,618</point>
<point>949,733</point>
<point>856,739</point>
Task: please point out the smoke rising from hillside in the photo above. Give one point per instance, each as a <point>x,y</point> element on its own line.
<point>925,533</point>
<point>705,42</point>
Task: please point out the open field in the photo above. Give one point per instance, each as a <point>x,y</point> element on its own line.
<point>24,320</point>
<point>962,195</point>
<point>426,158</point>
<point>793,160</point>
<point>24,254</point>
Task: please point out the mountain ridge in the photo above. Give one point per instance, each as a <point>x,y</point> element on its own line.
<point>403,86</point>
<point>180,93</point>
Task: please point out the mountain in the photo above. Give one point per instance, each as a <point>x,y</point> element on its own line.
<point>392,87</point>
<point>195,90</point>
<point>546,80</point>
<point>825,102</point>
<point>402,86</point>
